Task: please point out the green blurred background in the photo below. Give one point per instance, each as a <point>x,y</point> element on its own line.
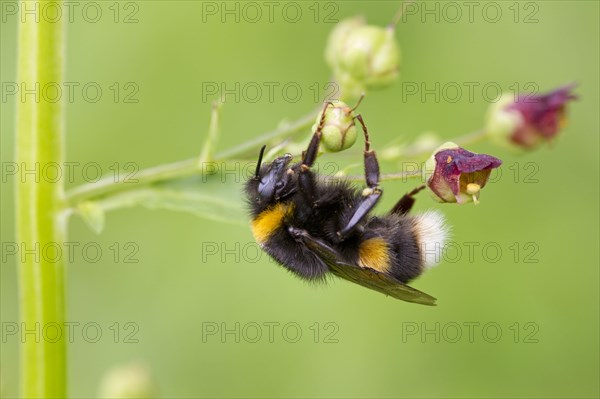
<point>171,292</point>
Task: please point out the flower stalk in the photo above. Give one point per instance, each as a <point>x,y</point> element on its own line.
<point>39,218</point>
<point>110,185</point>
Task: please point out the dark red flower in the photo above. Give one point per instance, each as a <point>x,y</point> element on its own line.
<point>530,120</point>
<point>457,175</point>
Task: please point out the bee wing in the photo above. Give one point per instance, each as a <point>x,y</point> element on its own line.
<point>380,282</point>
<point>366,277</point>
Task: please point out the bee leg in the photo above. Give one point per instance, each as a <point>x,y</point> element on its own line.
<point>371,163</point>
<point>406,203</point>
<point>366,205</point>
<point>310,155</point>
<point>322,249</point>
<point>306,180</point>
<point>372,193</point>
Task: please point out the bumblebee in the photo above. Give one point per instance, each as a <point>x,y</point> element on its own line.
<point>315,226</point>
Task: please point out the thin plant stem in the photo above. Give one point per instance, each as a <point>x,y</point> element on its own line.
<point>39,220</point>
<point>280,132</point>
<point>471,138</point>
<point>400,12</point>
<point>111,184</point>
<point>404,176</point>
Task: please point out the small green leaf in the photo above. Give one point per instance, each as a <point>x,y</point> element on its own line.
<point>216,197</point>
<point>93,215</point>
<point>213,134</point>
<point>208,197</point>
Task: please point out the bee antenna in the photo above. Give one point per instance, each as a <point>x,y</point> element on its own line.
<point>260,158</point>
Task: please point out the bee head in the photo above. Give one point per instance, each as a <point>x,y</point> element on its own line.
<point>274,181</point>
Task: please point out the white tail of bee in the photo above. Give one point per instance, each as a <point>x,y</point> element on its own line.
<point>431,231</point>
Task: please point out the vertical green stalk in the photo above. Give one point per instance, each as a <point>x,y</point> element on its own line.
<point>40,226</point>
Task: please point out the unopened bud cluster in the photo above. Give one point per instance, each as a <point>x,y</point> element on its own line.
<point>362,56</point>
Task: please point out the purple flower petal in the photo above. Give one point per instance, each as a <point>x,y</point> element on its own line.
<point>456,165</point>
<point>466,161</point>
<point>542,114</point>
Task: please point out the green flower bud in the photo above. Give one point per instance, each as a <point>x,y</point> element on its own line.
<point>338,36</point>
<point>339,130</point>
<point>362,56</point>
<point>500,122</point>
<point>132,381</point>
<point>385,61</point>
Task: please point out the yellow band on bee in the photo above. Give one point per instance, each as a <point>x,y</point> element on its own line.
<point>269,220</point>
<point>374,254</point>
